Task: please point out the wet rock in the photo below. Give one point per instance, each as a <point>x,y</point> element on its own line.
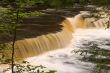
<point>68,62</point>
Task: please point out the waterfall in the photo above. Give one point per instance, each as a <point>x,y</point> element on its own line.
<point>34,46</point>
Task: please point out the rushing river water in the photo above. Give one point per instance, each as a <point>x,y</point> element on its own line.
<point>64,61</point>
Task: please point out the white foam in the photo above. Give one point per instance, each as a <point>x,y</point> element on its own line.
<point>63,61</point>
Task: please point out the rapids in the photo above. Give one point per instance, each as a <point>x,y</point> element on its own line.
<point>64,61</point>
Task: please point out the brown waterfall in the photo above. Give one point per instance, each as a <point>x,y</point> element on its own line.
<point>41,39</point>
<point>61,36</point>
<point>50,31</point>
<point>33,46</point>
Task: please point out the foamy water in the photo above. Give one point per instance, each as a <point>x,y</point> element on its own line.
<point>64,61</point>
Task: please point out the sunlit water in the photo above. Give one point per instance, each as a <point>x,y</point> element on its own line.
<point>66,61</point>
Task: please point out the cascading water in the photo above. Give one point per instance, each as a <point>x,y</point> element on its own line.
<point>34,46</point>
<point>66,61</point>
<point>101,23</point>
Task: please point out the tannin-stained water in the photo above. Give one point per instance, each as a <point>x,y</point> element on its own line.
<point>63,61</point>
<point>29,47</point>
<point>37,45</point>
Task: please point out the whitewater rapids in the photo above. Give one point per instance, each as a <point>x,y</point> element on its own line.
<point>64,61</point>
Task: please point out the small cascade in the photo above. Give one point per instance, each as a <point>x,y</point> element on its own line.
<point>77,22</point>
<point>101,23</point>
